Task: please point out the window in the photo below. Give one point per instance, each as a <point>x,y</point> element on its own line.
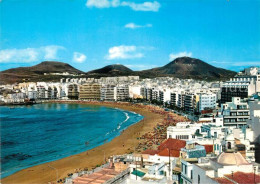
<point>191,175</point>
<point>215,134</point>
<point>185,169</point>
<point>198,179</point>
<point>229,145</point>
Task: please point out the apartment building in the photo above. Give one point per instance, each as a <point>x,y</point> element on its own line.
<point>207,101</point>
<point>73,91</point>
<point>174,98</point>
<point>244,84</point>
<point>108,92</point>
<point>235,113</point>
<point>180,103</point>
<point>189,103</point>
<point>155,95</point>
<point>90,91</point>
<point>122,92</point>
<point>41,92</point>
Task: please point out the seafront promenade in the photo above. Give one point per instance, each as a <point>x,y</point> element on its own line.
<point>135,138</point>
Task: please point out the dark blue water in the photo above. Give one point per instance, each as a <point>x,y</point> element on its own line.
<point>32,135</point>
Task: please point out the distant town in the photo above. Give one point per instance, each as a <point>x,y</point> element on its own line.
<point>217,143</point>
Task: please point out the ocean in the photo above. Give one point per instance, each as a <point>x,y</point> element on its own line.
<point>32,135</point>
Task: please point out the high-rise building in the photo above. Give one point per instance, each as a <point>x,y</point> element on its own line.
<point>235,113</point>
<point>122,92</point>
<point>73,91</point>
<point>108,92</point>
<point>244,84</point>
<point>90,91</point>
<point>207,101</point>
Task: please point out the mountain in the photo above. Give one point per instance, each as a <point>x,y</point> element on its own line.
<point>111,70</point>
<point>36,73</point>
<point>186,67</point>
<point>183,67</point>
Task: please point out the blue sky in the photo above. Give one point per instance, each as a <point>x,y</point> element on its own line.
<point>89,34</point>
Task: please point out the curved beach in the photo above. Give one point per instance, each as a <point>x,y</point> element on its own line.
<point>125,143</point>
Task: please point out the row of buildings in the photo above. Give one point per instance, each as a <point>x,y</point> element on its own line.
<point>191,96</point>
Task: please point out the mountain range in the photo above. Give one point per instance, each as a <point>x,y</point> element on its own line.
<point>182,67</point>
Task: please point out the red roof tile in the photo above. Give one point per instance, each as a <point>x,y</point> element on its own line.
<point>150,152</point>
<point>244,178</point>
<point>208,148</point>
<point>173,153</point>
<point>223,181</point>
<point>173,144</point>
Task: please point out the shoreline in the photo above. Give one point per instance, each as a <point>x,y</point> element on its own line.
<point>107,138</point>
<point>48,172</point>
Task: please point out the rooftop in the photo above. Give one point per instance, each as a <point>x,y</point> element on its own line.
<point>244,178</point>
<point>208,148</point>
<point>173,144</point>
<point>223,181</point>
<point>234,158</point>
<point>205,167</point>
<point>138,173</point>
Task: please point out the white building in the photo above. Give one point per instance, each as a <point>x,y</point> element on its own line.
<point>207,101</point>
<point>235,113</point>
<point>254,120</point>
<point>122,92</point>
<point>215,169</point>
<point>183,131</point>
<point>243,85</point>
<point>108,92</point>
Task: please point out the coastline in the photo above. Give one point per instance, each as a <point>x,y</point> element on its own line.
<point>49,171</point>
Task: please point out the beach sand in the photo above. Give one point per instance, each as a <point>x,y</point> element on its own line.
<point>125,143</point>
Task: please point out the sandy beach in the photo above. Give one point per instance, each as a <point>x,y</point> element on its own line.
<point>125,143</point>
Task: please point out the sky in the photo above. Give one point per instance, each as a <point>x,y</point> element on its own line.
<point>140,34</point>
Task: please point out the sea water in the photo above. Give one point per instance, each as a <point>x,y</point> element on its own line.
<point>31,135</point>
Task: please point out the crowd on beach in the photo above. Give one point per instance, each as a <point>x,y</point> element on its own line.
<point>153,139</point>
<point>148,140</point>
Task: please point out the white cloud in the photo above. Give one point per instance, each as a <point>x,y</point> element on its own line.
<point>79,57</point>
<point>134,26</point>
<point>123,52</point>
<point>98,3</point>
<point>173,56</point>
<point>51,51</point>
<point>146,6</point>
<point>29,54</point>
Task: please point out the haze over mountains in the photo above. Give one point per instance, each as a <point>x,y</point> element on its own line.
<point>183,67</point>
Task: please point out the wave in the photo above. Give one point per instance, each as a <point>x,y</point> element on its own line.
<point>127,117</point>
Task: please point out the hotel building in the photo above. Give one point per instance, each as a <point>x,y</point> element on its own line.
<point>90,91</point>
